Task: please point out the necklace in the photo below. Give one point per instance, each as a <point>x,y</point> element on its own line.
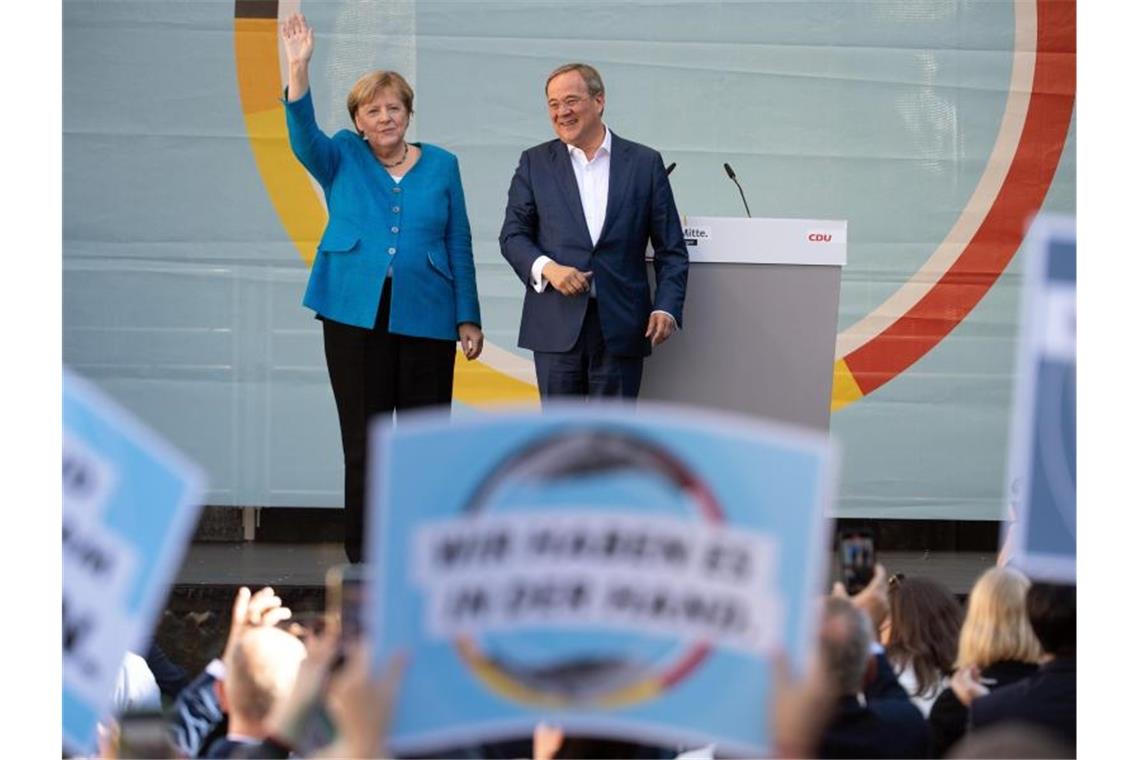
<point>403,158</point>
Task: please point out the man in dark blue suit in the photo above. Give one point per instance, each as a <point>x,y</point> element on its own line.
<point>581,211</point>
<point>873,716</point>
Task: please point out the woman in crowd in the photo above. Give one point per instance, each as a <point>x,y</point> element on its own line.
<point>393,281</point>
<point>922,637</point>
<point>996,640</point>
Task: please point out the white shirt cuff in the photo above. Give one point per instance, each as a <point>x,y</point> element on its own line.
<point>217,669</point>
<point>537,281</point>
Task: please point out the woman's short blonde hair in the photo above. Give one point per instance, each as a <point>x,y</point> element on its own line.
<point>369,85</point>
<point>996,627</point>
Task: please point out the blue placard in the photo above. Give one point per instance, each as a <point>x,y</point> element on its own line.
<point>130,503</point>
<point>1043,442</point>
<point>621,571</point>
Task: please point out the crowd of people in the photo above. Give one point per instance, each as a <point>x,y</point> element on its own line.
<point>900,670</point>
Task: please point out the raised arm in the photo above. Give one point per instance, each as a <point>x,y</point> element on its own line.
<point>310,145</point>
<point>297,39</point>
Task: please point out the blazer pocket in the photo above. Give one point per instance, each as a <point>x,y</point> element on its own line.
<point>439,263</point>
<point>339,238</point>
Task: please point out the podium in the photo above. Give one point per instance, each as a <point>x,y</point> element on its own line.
<point>761,312</point>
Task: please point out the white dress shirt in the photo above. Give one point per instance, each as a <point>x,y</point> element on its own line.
<point>593,178</point>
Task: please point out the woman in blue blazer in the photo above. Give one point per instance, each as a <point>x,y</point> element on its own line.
<point>393,280</point>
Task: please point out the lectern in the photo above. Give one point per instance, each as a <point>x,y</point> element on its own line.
<point>761,312</point>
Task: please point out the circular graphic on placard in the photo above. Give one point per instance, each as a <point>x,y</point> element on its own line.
<point>556,475</point>
<point>929,304</point>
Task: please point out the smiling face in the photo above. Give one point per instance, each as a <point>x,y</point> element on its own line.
<point>383,120</point>
<point>575,114</point>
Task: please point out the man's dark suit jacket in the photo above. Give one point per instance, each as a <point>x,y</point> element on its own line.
<point>197,720</point>
<point>544,218</point>
<point>1048,699</point>
<point>886,724</point>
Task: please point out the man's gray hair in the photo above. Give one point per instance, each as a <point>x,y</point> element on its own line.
<point>845,641</point>
<point>594,85</point>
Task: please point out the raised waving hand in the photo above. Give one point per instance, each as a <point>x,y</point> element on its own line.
<point>297,39</point>
<point>297,36</point>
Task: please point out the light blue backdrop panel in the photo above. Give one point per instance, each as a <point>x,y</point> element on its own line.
<point>659,461</point>
<point>182,291</point>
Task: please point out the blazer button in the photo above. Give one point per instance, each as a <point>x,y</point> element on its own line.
<point>395,230</point>
<point>391,251</point>
<point>395,189</point>
<point>395,209</point>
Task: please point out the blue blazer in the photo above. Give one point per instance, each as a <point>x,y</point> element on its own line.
<point>418,227</point>
<point>544,217</point>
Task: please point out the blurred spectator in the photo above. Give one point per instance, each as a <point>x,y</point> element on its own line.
<point>198,719</point>
<point>358,704</point>
<point>1011,740</point>
<point>1049,697</point>
<point>996,639</point>
<point>873,716</point>
<point>261,670</point>
<point>922,637</point>
<point>171,678</point>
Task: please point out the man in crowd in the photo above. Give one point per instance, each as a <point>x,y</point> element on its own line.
<point>261,670</point>
<point>873,716</point>
<point>199,720</point>
<point>581,211</point>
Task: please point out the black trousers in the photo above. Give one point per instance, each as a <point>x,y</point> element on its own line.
<point>374,372</point>
<point>588,368</point>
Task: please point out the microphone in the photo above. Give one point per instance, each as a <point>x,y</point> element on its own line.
<point>669,169</point>
<point>732,176</point>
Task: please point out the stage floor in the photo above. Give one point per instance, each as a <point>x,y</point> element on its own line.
<point>193,625</point>
<point>304,565</point>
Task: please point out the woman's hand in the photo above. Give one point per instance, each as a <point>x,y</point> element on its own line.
<point>297,37</point>
<point>471,339</point>
<point>967,684</point>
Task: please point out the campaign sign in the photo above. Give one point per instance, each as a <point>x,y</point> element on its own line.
<point>130,503</point>
<point>622,571</point>
<point>1043,441</point>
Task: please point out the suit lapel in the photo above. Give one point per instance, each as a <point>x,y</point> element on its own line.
<point>564,177</point>
<point>620,171</point>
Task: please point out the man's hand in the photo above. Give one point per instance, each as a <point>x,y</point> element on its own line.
<point>471,340</point>
<point>661,326</point>
<point>249,611</point>
<point>872,599</point>
<point>567,280</point>
<point>297,39</point>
